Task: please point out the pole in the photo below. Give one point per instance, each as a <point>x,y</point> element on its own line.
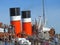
<point>43,12</point>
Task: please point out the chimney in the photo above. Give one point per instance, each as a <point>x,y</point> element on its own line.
<point>26,22</point>
<point>15,20</point>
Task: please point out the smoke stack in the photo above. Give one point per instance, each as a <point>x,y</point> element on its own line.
<point>26,22</point>
<point>15,20</point>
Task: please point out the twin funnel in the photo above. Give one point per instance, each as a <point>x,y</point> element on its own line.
<point>21,22</point>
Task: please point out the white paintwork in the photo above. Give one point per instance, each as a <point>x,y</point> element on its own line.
<point>24,41</point>
<point>26,20</point>
<point>46,29</point>
<point>15,18</point>
<point>1,30</point>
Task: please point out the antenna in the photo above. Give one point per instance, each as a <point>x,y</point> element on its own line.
<point>43,12</point>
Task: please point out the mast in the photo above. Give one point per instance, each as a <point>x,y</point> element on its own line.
<point>43,12</point>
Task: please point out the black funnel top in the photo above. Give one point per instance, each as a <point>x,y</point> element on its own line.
<point>14,11</point>
<point>26,14</point>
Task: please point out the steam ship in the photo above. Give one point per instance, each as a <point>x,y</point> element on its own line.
<point>22,31</point>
